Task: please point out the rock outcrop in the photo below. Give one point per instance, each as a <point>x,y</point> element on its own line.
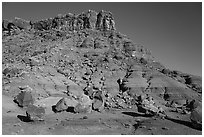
<point>87,20</point>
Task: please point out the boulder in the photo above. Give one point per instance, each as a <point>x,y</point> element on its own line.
<point>21,23</point>
<point>61,105</point>
<point>98,101</point>
<point>84,105</point>
<point>196,118</point>
<point>74,90</point>
<point>193,104</point>
<point>51,102</point>
<point>5,24</point>
<point>121,103</point>
<point>35,113</point>
<point>24,99</point>
<point>147,105</point>
<point>11,72</point>
<point>87,43</point>
<point>129,47</point>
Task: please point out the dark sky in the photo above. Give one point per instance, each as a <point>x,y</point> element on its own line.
<point>172,31</point>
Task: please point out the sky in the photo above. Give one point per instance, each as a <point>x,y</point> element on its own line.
<point>171,31</point>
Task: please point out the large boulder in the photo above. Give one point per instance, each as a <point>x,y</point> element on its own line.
<point>98,101</point>
<point>35,113</point>
<point>87,43</point>
<point>196,118</point>
<point>74,90</point>
<point>147,105</point>
<point>11,72</point>
<point>84,105</point>
<point>61,105</point>
<point>21,23</point>
<point>56,104</point>
<point>24,99</point>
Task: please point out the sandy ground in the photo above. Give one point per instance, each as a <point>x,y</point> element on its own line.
<point>112,122</point>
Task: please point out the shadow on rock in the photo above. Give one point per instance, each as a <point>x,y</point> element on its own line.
<point>134,114</point>
<point>69,109</point>
<point>186,123</point>
<point>54,109</point>
<point>24,118</point>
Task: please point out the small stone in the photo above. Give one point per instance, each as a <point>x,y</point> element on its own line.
<point>51,128</point>
<point>22,130</point>
<point>17,124</point>
<point>142,127</point>
<point>126,125</point>
<point>165,128</point>
<point>9,111</point>
<point>149,128</point>
<point>84,117</point>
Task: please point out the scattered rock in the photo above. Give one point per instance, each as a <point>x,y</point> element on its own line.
<point>84,117</point>
<point>165,128</point>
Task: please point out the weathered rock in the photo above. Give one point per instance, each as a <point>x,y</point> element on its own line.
<point>87,43</point>
<point>98,101</point>
<point>89,19</point>
<point>195,82</point>
<point>196,118</point>
<point>147,106</point>
<point>24,99</point>
<point>121,103</point>
<point>105,21</point>
<point>166,71</point>
<point>84,105</point>
<point>75,90</point>
<point>35,113</point>
<point>86,20</point>
<point>50,102</point>
<point>61,105</point>
<point>5,25</point>
<point>193,104</point>
<point>11,72</point>
<point>82,109</point>
<point>21,23</point>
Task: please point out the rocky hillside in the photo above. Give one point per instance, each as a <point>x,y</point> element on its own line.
<point>81,64</point>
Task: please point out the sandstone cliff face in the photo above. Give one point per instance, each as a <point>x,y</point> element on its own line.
<point>69,22</point>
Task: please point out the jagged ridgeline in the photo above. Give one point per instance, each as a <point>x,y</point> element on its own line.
<point>86,20</point>
<point>90,26</point>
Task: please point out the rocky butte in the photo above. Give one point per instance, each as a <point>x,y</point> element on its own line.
<point>75,72</point>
